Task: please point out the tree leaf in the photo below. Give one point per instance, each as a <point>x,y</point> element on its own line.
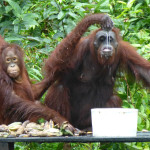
<point>13,38</point>
<point>61,15</point>
<point>29,19</point>
<point>130,3</point>
<point>15,7</point>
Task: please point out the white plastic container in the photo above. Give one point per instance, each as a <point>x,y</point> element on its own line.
<point>114,122</point>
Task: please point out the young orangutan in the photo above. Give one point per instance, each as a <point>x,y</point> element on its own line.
<point>17,101</point>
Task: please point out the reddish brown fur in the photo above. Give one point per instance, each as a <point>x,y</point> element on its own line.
<point>2,42</point>
<point>17,101</point>
<point>68,94</point>
<point>61,56</point>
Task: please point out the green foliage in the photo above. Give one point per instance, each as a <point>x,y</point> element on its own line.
<point>37,146</point>
<point>39,25</point>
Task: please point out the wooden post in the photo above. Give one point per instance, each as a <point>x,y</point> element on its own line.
<point>7,146</point>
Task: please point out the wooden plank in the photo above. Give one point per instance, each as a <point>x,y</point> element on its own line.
<point>141,137</point>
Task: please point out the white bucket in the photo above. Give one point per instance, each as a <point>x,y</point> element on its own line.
<point>120,122</point>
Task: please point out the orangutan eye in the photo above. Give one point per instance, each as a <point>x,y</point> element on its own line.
<point>110,39</point>
<point>8,60</point>
<point>102,38</point>
<point>15,59</point>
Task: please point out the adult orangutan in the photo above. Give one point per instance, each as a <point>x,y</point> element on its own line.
<point>82,70</point>
<point>17,101</point>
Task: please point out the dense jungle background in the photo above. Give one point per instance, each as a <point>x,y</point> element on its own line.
<point>39,25</point>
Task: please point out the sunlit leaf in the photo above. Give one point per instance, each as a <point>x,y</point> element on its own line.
<point>130,3</point>
<point>61,15</point>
